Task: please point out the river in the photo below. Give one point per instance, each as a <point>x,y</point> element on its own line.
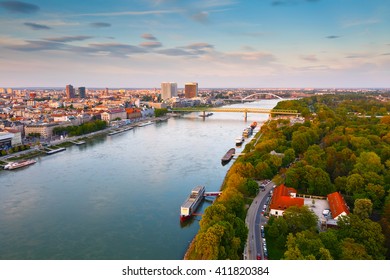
<point>118,197</point>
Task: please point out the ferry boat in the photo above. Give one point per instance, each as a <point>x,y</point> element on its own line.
<point>228,156</point>
<point>192,202</point>
<point>19,164</point>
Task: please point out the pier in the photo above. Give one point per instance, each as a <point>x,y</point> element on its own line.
<point>212,194</point>
<point>53,151</point>
<point>78,142</point>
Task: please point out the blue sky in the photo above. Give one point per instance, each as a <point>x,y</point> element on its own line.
<point>217,43</point>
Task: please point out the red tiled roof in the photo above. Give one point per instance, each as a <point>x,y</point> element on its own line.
<point>132,110</point>
<point>337,204</point>
<point>281,198</point>
<point>113,111</point>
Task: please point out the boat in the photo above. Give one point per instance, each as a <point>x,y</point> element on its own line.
<point>192,202</point>
<point>228,156</point>
<point>253,125</point>
<point>146,123</point>
<point>19,164</point>
<point>247,132</point>
<point>239,140</point>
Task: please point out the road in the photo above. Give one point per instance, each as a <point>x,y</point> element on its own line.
<point>254,220</point>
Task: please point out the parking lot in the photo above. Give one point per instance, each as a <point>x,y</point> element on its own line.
<point>318,207</point>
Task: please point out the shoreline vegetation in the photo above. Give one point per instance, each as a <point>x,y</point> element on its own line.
<point>343,145</point>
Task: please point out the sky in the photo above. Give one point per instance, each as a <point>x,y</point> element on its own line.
<point>217,43</point>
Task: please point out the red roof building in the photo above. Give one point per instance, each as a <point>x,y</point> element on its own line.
<point>283,198</point>
<point>337,205</point>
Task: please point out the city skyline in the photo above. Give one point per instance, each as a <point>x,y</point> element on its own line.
<point>219,43</point>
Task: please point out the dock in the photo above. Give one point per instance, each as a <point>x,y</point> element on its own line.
<point>78,142</point>
<point>120,130</point>
<point>53,151</point>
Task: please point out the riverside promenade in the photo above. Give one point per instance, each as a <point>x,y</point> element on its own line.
<point>36,149</point>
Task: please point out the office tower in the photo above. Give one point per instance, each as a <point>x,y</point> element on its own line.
<point>191,90</point>
<point>168,90</point>
<point>69,91</point>
<point>82,92</point>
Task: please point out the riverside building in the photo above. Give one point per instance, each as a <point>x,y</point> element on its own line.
<point>191,90</point>
<point>168,90</point>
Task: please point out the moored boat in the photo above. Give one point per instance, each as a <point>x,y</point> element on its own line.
<point>192,202</point>
<point>247,132</point>
<point>228,156</point>
<point>19,164</point>
<point>253,125</point>
<point>239,140</point>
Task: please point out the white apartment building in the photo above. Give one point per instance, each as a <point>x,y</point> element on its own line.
<point>168,90</point>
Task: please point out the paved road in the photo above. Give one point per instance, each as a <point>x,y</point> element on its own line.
<point>254,220</point>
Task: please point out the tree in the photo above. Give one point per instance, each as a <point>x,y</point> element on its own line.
<point>363,208</point>
<point>300,219</point>
<point>368,161</point>
<point>340,183</point>
<point>330,240</point>
<point>376,193</point>
<point>289,156</point>
<point>295,178</point>
<point>263,171</point>
<point>160,112</point>
<point>277,226</point>
<point>318,181</point>
<point>385,223</point>
<point>315,156</point>
<point>252,187</point>
<point>355,183</point>
<point>234,202</point>
<point>213,214</point>
<point>306,244</point>
<point>207,243</point>
<point>350,250</point>
<point>365,232</point>
<point>300,142</point>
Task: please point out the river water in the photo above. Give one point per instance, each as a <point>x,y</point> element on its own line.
<point>118,197</point>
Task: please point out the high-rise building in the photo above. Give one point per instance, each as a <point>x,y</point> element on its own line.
<point>168,90</point>
<point>82,92</point>
<point>191,90</point>
<point>70,91</point>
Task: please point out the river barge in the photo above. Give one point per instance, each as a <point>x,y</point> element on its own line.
<point>228,156</point>
<point>19,164</point>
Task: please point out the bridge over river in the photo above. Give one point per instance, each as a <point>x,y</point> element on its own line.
<point>237,110</point>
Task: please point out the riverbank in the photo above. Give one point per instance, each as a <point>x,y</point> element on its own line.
<point>70,141</point>
<point>226,201</point>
